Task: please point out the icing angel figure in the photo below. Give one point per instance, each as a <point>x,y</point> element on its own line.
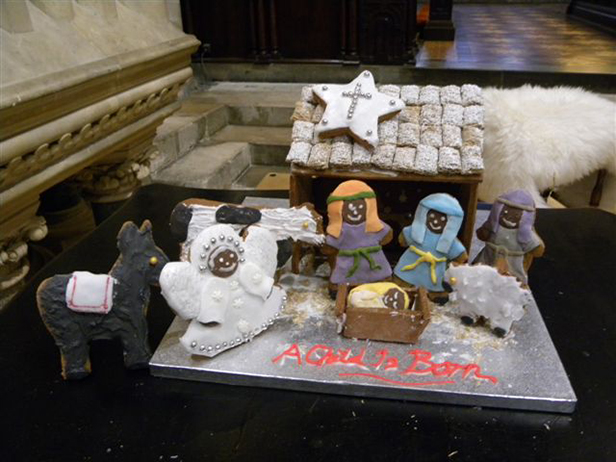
<point>432,243</point>
<point>357,232</point>
<point>379,295</point>
<point>227,289</point>
<point>511,242</point>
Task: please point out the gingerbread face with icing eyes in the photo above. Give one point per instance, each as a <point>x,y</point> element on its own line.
<point>510,217</point>
<point>223,262</point>
<point>394,299</point>
<point>354,212</point>
<point>436,221</point>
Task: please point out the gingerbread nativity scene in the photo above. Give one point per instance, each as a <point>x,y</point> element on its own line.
<point>374,281</point>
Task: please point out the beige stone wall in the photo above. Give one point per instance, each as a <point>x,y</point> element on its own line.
<point>38,37</point>
<point>83,86</point>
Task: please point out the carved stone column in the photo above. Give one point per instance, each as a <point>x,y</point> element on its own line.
<point>116,181</point>
<point>19,226</point>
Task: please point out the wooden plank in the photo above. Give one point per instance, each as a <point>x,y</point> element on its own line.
<point>470,211</point>
<point>375,174</point>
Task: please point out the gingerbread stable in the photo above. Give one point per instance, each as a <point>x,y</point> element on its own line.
<point>433,144</point>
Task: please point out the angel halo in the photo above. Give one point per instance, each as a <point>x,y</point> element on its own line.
<point>227,289</point>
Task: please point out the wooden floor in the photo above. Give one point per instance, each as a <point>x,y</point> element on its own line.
<point>521,37</point>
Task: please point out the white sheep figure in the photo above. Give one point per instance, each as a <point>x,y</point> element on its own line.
<point>482,292</point>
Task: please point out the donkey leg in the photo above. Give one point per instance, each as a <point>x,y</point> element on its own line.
<point>75,360</point>
<point>137,352</point>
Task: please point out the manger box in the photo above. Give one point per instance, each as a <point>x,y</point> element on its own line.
<point>387,325</point>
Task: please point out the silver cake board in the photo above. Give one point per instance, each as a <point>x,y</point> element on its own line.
<point>451,364</point>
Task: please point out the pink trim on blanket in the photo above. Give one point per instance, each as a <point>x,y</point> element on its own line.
<point>104,306</point>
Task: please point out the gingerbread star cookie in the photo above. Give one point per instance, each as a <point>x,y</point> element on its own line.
<point>355,108</point>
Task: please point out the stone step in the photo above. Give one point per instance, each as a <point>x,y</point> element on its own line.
<point>182,131</point>
<point>260,116</point>
<point>255,94</point>
<point>261,104</point>
<point>269,145</point>
<point>261,135</point>
<point>214,165</point>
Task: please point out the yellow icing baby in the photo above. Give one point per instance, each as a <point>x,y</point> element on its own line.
<point>379,295</point>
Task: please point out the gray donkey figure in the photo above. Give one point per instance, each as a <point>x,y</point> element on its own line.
<point>80,307</point>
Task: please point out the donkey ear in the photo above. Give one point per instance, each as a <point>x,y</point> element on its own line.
<point>127,233</point>
<point>146,227</point>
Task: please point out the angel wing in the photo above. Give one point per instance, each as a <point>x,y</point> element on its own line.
<point>255,281</point>
<point>179,283</point>
<point>261,249</point>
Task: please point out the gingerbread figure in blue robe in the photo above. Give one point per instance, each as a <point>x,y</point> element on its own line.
<point>511,242</point>
<point>358,234</point>
<point>432,243</point>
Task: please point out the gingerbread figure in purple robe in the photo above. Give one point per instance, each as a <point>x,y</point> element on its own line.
<point>358,234</point>
<point>511,242</point>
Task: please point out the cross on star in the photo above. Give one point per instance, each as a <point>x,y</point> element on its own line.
<point>360,119</point>
<point>355,94</point>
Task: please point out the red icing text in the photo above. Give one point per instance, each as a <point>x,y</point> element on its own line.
<point>417,363</point>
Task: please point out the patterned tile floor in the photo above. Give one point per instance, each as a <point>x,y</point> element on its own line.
<point>521,37</point>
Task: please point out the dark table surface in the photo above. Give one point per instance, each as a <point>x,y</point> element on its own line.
<point>117,414</point>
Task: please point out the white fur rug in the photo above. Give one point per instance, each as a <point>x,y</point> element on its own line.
<point>538,138</point>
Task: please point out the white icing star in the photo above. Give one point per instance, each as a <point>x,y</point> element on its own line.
<point>234,285</point>
<point>217,295</point>
<point>356,106</point>
<point>238,302</point>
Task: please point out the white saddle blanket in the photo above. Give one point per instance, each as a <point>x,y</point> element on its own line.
<point>90,293</point>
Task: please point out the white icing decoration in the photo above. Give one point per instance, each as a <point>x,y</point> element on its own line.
<point>213,312</point>
<point>243,326</point>
<point>404,159</point>
<point>472,162</point>
<point>261,249</point>
<point>299,152</point>
<point>481,291</point>
<point>426,160</point>
<point>451,94</point>
<point>452,136</point>
<point>319,156</point>
<point>254,281</point>
<point>473,115</point>
<point>256,278</point>
<point>217,296</point>
<point>284,223</point>
<point>356,107</point>
<point>449,160</point>
<point>90,293</point>
<point>471,94</point>
<point>222,310</point>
